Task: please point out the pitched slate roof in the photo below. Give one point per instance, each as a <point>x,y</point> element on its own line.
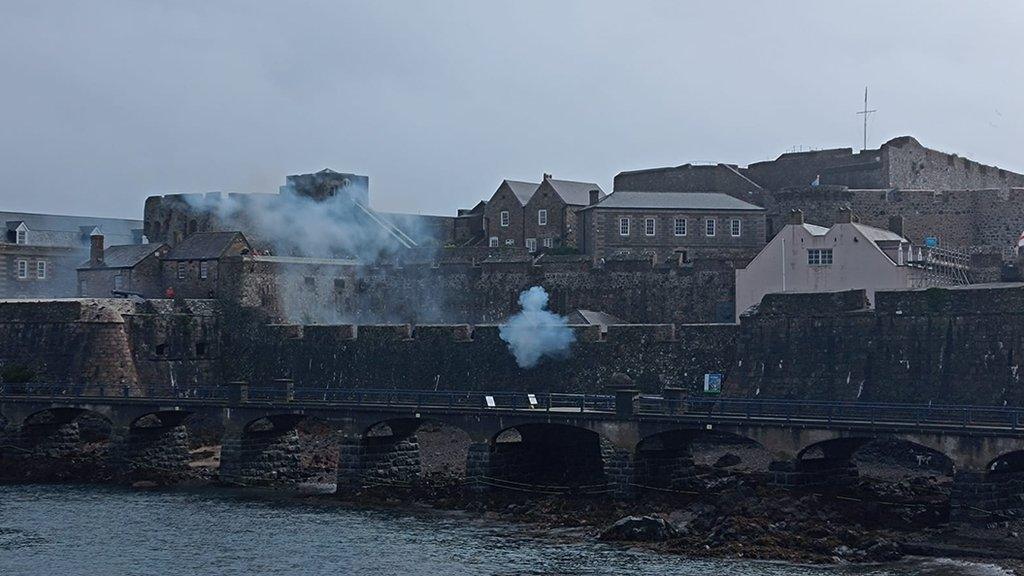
<point>582,316</point>
<point>675,201</point>
<point>73,231</point>
<point>125,256</point>
<point>203,246</point>
<point>575,193</point>
<point>878,234</point>
<point>523,190</point>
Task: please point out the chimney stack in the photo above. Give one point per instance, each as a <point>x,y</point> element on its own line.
<point>844,216</point>
<point>595,195</point>
<point>896,224</point>
<point>796,216</point>
<point>96,250</point>
<point>547,176</point>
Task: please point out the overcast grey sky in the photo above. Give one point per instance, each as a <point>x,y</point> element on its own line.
<point>103,103</point>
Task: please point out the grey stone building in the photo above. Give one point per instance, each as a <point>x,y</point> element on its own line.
<point>193,268</point>
<point>550,218</point>
<point>121,270</point>
<point>678,226</point>
<point>40,252</point>
<point>504,217</point>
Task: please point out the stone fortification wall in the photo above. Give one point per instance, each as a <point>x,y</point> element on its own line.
<point>463,357</point>
<point>638,291</point>
<point>944,346</point>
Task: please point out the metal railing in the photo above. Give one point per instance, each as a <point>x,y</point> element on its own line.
<point>700,408</point>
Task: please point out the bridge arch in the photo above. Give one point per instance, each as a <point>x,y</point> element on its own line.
<point>545,456</point>
<point>272,448</point>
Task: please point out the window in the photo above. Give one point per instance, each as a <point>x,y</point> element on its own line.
<point>542,217</point>
<point>549,242</point>
<point>531,244</point>
<point>679,226</point>
<point>204,270</point>
<point>649,226</point>
<point>309,281</point>
<point>41,270</point>
<point>709,227</point>
<point>23,269</point>
<point>21,237</point>
<point>119,282</point>
<point>505,219</point>
<point>493,242</point>
<point>339,284</point>
<point>200,348</point>
<point>735,227</point>
<point>623,226</point>
<point>182,271</point>
<point>510,242</point>
<point>819,257</point>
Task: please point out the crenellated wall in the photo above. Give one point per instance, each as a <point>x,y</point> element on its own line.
<point>938,345</point>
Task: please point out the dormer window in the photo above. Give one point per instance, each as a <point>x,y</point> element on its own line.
<point>21,235</point>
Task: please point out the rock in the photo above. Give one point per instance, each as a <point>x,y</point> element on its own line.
<point>883,551</point>
<point>727,460</point>
<point>639,529</point>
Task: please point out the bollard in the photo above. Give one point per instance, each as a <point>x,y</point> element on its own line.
<point>238,392</point>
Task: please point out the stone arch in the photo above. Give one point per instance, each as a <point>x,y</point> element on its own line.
<point>398,452</point>
<point>546,456</point>
<point>263,450</point>
<point>156,446</point>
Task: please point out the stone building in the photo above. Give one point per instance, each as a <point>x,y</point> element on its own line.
<point>807,258</point>
<point>504,216</point>
<point>678,226</point>
<point>550,216</point>
<point>40,252</point>
<point>120,270</point>
<point>193,268</point>
<point>943,199</point>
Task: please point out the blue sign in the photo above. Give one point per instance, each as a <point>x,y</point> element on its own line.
<point>712,383</point>
<point>931,241</point>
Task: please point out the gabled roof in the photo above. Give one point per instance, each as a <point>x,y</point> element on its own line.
<point>878,234</point>
<point>572,192</point>
<point>582,316</point>
<point>675,201</point>
<point>523,190</point>
<point>125,256</point>
<point>56,230</point>
<point>204,246</point>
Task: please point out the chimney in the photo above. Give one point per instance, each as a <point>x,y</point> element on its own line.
<point>896,224</point>
<point>547,176</point>
<point>96,250</point>
<point>595,195</point>
<point>844,216</point>
<point>796,216</point>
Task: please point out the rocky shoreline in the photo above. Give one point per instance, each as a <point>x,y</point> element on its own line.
<point>725,514</point>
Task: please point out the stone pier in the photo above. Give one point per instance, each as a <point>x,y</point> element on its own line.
<point>265,457</point>
<point>376,461</point>
<point>820,473</point>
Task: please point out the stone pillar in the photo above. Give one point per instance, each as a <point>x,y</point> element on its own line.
<point>261,458</point>
<point>378,461</point>
<point>619,472</point>
<point>350,465</point>
<point>478,467</point>
<point>813,473</point>
<point>157,453</point>
<point>51,440</point>
<point>984,496</point>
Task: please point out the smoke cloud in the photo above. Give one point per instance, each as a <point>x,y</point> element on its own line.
<point>535,332</point>
<point>338,235</point>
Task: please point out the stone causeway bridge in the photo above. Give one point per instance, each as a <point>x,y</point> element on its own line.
<point>615,443</point>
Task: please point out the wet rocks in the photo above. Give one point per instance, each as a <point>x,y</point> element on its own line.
<point>639,529</point>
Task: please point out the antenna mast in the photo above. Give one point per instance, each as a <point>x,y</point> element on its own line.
<point>866,113</point>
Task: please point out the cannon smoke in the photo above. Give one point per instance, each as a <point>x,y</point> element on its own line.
<point>535,332</point>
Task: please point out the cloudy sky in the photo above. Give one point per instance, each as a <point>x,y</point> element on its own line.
<point>104,103</point>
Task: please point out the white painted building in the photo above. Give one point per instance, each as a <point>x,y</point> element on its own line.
<point>849,255</point>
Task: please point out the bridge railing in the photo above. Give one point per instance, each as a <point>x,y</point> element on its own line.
<point>646,405</point>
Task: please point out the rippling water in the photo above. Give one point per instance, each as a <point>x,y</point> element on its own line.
<point>93,531</point>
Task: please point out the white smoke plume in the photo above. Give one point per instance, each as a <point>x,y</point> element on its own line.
<point>334,228</point>
<point>535,332</point>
